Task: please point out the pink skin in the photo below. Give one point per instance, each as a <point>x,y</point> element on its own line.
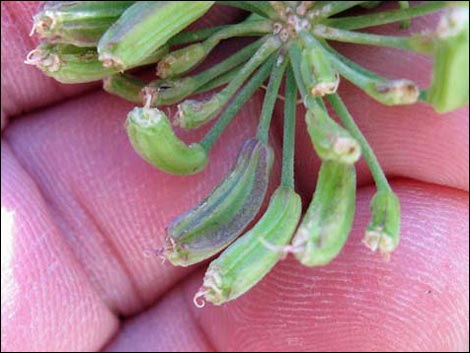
<point>79,207</point>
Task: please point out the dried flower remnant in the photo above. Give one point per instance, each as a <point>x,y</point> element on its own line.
<point>384,228</point>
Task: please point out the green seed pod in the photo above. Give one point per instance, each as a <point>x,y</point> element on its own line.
<point>194,113</point>
<point>244,263</point>
<point>393,92</point>
<point>152,137</point>
<point>144,27</point>
<point>331,141</point>
<point>319,76</point>
<point>388,92</point>
<point>124,86</point>
<point>449,85</point>
<point>181,60</point>
<point>384,228</point>
<point>219,219</point>
<point>67,63</point>
<point>80,23</point>
<point>70,64</point>
<point>328,220</point>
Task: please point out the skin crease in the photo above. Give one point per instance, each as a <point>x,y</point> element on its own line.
<point>79,206</point>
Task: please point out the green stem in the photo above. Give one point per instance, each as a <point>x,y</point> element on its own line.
<point>243,29</point>
<point>195,36</point>
<point>349,68</point>
<point>288,142</point>
<point>404,5</point>
<point>124,86</point>
<point>220,80</point>
<point>265,51</point>
<point>270,98</point>
<point>245,93</point>
<point>388,92</point>
<point>231,62</point>
<point>330,8</point>
<point>295,56</point>
<point>377,173</point>
<point>203,33</point>
<point>408,43</point>
<point>174,90</point>
<point>377,19</point>
<point>262,8</point>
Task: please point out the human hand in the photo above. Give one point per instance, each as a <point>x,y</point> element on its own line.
<point>79,207</point>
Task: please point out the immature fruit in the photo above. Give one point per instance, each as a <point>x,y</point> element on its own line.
<point>80,23</point>
<point>124,86</point>
<point>328,220</point>
<point>219,219</point>
<point>67,63</point>
<point>152,136</point>
<point>383,230</point>
<point>319,76</point>
<point>331,141</point>
<point>250,257</point>
<point>450,80</point>
<point>144,27</point>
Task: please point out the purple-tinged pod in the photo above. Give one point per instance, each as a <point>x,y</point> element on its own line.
<point>220,218</point>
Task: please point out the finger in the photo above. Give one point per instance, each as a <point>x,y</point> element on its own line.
<point>166,327</point>
<point>418,301</point>
<point>48,303</point>
<point>110,204</point>
<point>409,141</point>
<point>25,88</point>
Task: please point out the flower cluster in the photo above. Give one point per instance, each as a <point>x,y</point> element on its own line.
<point>86,41</point>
